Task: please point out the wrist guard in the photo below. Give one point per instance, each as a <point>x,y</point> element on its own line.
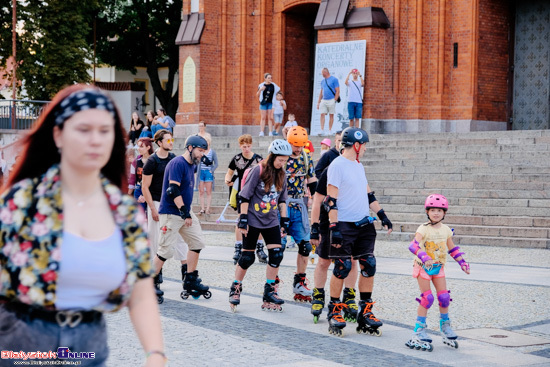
<point>243,221</point>
<point>314,234</point>
<point>384,219</point>
<point>335,234</point>
<point>312,187</point>
<point>184,212</point>
<point>372,198</point>
<point>285,223</point>
<point>455,253</point>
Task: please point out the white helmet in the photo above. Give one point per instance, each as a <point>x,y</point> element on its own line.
<point>280,147</point>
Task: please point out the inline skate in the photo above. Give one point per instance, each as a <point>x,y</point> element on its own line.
<point>367,323</point>
<point>260,253</point>
<point>235,295</point>
<point>301,292</point>
<point>272,301</point>
<point>449,336</point>
<point>238,250</point>
<point>317,304</point>
<point>420,339</point>
<point>193,287</point>
<point>335,320</point>
<point>350,313</point>
<point>157,280</point>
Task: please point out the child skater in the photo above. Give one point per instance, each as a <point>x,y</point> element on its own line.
<point>430,245</point>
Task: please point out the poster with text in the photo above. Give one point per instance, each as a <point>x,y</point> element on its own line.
<point>339,58</point>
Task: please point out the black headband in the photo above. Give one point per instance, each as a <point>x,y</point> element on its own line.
<point>82,100</point>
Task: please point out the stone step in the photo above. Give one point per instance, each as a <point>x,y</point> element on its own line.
<point>461,189</point>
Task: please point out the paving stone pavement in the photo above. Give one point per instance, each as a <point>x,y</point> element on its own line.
<point>508,290</point>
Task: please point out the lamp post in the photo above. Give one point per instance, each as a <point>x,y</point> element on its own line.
<point>14,21</point>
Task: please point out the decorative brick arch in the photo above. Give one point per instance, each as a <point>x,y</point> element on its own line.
<point>288,4</point>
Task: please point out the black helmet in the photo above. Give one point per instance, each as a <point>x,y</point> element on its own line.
<point>352,135</point>
<point>196,141</point>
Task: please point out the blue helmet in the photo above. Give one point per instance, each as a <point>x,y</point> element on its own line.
<point>196,141</point>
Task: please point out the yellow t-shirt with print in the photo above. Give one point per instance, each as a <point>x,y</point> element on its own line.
<point>434,242</point>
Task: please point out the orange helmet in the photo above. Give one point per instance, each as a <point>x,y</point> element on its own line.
<point>297,136</point>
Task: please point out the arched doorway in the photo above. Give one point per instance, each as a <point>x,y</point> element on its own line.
<point>299,44</point>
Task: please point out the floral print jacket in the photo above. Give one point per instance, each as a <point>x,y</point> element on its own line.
<point>31,234</point>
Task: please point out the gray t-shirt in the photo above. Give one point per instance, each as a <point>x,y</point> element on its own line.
<point>263,207</point>
<point>350,179</point>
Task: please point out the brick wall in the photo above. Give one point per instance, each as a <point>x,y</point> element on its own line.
<point>409,67</point>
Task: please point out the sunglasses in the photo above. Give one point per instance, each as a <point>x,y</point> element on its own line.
<point>169,140</point>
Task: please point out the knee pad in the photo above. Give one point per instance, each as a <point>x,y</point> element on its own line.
<point>368,266</point>
<point>275,257</point>
<point>304,248</point>
<point>161,258</point>
<point>426,299</point>
<point>444,298</point>
<point>197,251</point>
<point>246,259</point>
<point>342,267</point>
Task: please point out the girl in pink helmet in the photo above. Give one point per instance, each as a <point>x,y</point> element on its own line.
<point>432,242</point>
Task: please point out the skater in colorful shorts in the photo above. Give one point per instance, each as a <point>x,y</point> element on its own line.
<point>432,242</point>
<point>263,198</point>
<point>300,176</point>
<point>352,233</point>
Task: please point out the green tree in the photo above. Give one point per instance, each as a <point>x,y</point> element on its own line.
<point>53,43</point>
<point>142,33</point>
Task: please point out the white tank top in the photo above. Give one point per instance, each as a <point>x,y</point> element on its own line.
<point>89,270</point>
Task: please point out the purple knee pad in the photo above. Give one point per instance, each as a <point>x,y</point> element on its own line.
<point>444,298</point>
<point>426,299</point>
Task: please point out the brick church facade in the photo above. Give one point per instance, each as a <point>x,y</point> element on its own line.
<point>430,65</point>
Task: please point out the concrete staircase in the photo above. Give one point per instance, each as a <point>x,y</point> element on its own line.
<point>497,183</point>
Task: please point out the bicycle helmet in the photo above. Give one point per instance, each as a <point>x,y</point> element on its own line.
<point>436,201</point>
<point>352,135</point>
<point>280,147</point>
<point>297,136</point>
<point>196,141</point>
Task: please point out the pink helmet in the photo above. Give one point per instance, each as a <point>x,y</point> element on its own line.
<point>436,201</point>
<point>326,141</point>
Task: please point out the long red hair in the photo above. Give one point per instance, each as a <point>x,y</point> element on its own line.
<point>39,151</point>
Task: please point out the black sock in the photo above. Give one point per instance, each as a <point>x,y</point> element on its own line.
<point>365,296</point>
<point>334,299</point>
<point>322,290</point>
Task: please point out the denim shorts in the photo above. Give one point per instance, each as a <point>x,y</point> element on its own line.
<point>278,117</point>
<point>206,176</point>
<point>137,194</point>
<point>19,333</point>
<point>296,229</point>
<point>355,110</point>
<point>265,107</point>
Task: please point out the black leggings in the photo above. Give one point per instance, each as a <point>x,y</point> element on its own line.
<point>272,236</point>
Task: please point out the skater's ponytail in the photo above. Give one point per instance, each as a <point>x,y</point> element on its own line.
<point>270,175</point>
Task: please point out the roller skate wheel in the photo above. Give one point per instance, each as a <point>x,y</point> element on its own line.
<point>429,348</point>
<point>184,295</point>
<point>280,309</point>
<point>195,296</point>
<point>377,332</point>
<point>160,300</point>
<point>315,319</point>
<point>207,295</point>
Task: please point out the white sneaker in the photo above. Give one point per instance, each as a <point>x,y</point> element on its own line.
<point>271,133</point>
<point>261,133</point>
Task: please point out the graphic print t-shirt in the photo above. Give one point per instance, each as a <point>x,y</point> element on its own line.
<point>434,242</point>
<point>296,175</point>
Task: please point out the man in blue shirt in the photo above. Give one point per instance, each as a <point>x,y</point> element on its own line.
<point>330,93</point>
<point>176,217</point>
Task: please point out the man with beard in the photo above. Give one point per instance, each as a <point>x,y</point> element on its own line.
<point>176,217</point>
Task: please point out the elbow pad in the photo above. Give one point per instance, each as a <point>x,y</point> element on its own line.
<point>173,191</point>
<point>330,204</point>
<point>414,246</point>
<point>372,198</point>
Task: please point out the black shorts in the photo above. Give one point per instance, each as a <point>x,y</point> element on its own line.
<point>357,241</point>
<point>272,236</point>
<point>323,250</point>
